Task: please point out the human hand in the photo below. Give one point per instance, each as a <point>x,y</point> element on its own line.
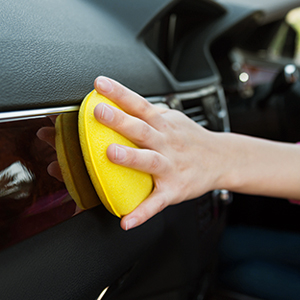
<point>180,154</point>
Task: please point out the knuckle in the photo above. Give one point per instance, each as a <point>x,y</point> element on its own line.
<point>119,120</point>
<point>143,214</point>
<point>155,163</point>
<point>161,204</point>
<point>144,107</point>
<point>121,93</point>
<point>133,160</point>
<point>145,133</point>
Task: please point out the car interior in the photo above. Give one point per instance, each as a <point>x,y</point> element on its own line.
<point>229,65</point>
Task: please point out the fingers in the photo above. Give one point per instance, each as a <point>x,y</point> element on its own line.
<point>128,100</point>
<point>147,161</point>
<point>47,134</point>
<point>54,171</point>
<point>154,204</point>
<point>148,127</point>
<point>136,130</point>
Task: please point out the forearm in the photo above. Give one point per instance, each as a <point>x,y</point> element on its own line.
<point>261,167</point>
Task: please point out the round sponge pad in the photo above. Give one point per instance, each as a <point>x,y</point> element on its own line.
<point>71,162</point>
<point>120,189</point>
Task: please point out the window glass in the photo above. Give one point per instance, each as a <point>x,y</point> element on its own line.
<point>293,19</point>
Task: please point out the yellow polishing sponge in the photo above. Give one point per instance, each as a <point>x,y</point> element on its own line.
<point>120,189</point>
<point>81,143</point>
<point>71,162</point>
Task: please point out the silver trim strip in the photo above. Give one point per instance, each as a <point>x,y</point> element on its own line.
<point>197,94</point>
<point>158,99</point>
<point>43,112</point>
<point>35,113</point>
<point>173,101</point>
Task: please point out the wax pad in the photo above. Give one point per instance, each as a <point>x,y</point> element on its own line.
<point>120,189</point>
<point>71,162</point>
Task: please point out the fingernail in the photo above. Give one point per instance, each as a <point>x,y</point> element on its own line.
<point>130,223</point>
<point>107,113</point>
<point>120,153</point>
<point>103,84</point>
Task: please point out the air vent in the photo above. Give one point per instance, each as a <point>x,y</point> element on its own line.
<point>194,110</point>
<point>207,106</point>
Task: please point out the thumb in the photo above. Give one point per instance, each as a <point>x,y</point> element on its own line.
<point>154,204</point>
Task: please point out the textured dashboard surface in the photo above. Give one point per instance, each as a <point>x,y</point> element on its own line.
<point>52,51</point>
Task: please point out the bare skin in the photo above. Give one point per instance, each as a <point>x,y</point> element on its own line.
<point>187,160</point>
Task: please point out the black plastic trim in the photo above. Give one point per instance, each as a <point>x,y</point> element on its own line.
<point>76,259</point>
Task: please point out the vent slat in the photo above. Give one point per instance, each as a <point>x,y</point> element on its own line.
<point>196,113</point>
<point>193,110</point>
<point>198,118</point>
<point>203,123</point>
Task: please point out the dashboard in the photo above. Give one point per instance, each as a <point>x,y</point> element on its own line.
<point>213,60</point>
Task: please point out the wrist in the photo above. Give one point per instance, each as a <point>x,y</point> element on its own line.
<point>230,161</point>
